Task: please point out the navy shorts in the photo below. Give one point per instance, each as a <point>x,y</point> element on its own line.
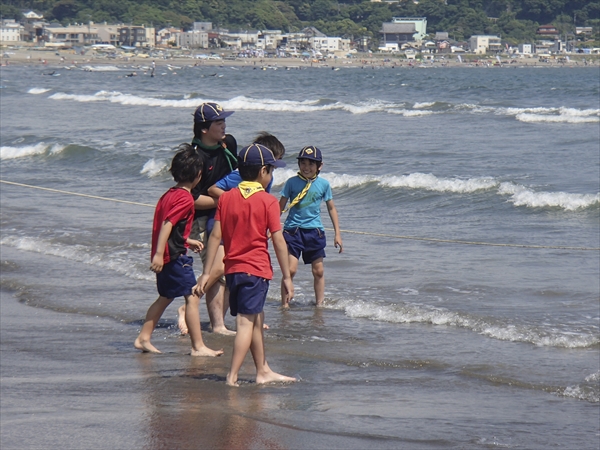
<point>310,243</point>
<point>176,279</point>
<point>247,293</point>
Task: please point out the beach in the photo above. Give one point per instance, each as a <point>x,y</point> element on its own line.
<point>66,58</point>
<point>462,314</point>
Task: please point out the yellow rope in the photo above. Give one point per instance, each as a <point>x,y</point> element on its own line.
<point>365,233</point>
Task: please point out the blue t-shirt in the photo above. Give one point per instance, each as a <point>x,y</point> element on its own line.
<point>231,180</point>
<point>307,213</point>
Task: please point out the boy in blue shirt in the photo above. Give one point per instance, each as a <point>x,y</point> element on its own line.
<point>303,230</point>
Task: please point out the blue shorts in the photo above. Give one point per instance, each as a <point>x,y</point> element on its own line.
<point>310,243</point>
<point>176,279</point>
<point>247,293</point>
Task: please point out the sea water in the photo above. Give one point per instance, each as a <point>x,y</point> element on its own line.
<point>464,309</point>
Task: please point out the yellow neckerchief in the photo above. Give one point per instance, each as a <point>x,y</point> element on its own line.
<point>248,188</point>
<point>303,192</point>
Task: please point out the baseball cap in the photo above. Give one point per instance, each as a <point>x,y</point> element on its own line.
<point>258,155</point>
<point>209,112</point>
<point>310,152</point>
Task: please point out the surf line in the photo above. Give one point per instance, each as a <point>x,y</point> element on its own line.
<point>364,233</point>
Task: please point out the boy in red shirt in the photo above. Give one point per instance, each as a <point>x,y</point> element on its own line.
<point>170,240</point>
<point>244,217</point>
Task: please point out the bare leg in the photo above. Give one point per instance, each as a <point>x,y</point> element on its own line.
<point>183,328</point>
<point>264,374</point>
<point>215,297</point>
<point>241,344</point>
<point>192,319</point>
<point>319,280</point>
<point>153,315</point>
<point>293,262</point>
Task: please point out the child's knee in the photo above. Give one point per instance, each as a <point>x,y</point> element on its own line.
<point>318,271</point>
<point>192,300</point>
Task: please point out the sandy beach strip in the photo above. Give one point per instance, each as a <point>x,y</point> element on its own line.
<point>57,58</point>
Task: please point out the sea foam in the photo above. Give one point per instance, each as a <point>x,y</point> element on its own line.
<point>154,167</point>
<point>36,91</point>
<point>30,150</point>
<point>120,262</point>
<point>497,329</point>
<point>417,109</point>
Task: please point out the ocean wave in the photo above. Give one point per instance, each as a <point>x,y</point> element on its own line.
<point>36,91</point>
<point>554,115</point>
<point>101,68</point>
<point>154,167</point>
<point>589,390</point>
<point>519,195</point>
<point>503,331</point>
<point>41,148</point>
<point>430,182</point>
<point>522,196</point>
<point>117,261</point>
<point>418,109</point>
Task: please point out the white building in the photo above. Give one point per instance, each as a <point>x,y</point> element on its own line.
<point>269,39</point>
<point>481,44</point>
<point>193,39</point>
<point>72,35</point>
<point>526,49</point>
<point>329,44</point>
<point>167,36</point>
<point>11,32</point>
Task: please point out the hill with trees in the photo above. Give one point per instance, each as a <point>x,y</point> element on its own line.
<point>514,20</point>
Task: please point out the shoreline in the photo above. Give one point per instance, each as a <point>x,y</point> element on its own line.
<point>69,58</point>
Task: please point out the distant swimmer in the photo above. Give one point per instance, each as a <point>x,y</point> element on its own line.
<point>132,74</point>
<point>50,73</point>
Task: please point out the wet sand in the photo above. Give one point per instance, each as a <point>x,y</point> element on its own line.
<point>72,381</point>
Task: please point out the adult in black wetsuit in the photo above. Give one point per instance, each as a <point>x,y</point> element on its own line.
<point>219,152</point>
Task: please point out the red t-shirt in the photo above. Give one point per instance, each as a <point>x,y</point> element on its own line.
<point>176,206</point>
<point>244,225</point>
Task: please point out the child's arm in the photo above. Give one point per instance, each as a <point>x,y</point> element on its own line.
<point>211,250</point>
<point>337,240</point>
<point>282,202</point>
<point>195,245</point>
<point>205,202</point>
<point>282,257</point>
<point>158,260</point>
<point>215,192</point>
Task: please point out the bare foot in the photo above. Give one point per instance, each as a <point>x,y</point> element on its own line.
<point>181,324</point>
<point>273,377</point>
<point>230,381</point>
<point>205,351</point>
<point>145,346</point>
<point>224,331</point>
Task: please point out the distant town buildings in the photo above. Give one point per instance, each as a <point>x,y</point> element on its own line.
<point>407,35</point>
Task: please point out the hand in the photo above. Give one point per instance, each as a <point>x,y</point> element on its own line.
<point>289,292</point>
<point>195,246</point>
<point>157,263</point>
<point>201,285</point>
<point>337,242</point>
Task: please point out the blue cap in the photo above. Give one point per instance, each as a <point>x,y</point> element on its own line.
<point>310,152</point>
<point>209,112</point>
<point>258,155</point>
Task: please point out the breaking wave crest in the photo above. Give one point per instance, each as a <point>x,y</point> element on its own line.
<point>495,329</point>
<point>405,109</point>
<point>118,261</point>
<point>7,152</point>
